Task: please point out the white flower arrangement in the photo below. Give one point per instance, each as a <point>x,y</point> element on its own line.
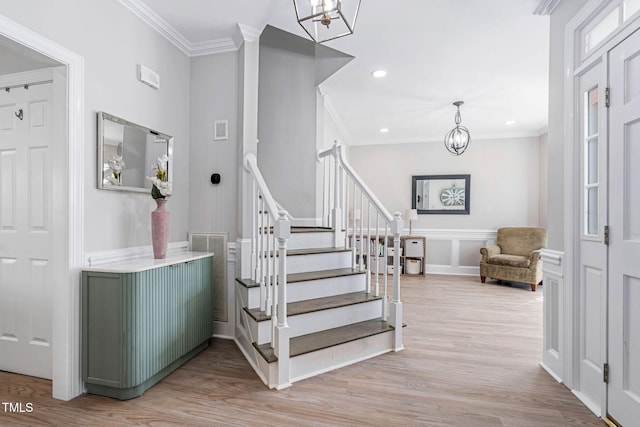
<point>116,165</point>
<point>161,188</point>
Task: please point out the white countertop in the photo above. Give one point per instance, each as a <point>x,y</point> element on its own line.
<point>137,265</point>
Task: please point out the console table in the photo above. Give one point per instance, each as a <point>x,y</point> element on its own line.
<point>142,319</point>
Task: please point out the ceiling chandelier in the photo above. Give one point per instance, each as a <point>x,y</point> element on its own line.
<point>457,140</point>
<point>326,20</point>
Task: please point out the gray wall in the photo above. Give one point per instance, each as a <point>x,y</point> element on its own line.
<point>287,120</point>
<point>214,95</point>
<point>113,41</point>
<point>504,180</point>
<point>555,209</point>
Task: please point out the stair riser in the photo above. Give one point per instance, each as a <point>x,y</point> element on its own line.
<point>310,289</point>
<point>309,323</point>
<point>250,296</point>
<point>316,239</point>
<point>316,321</point>
<point>318,362</point>
<point>317,262</point>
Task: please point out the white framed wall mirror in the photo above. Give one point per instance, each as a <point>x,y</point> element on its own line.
<point>127,152</point>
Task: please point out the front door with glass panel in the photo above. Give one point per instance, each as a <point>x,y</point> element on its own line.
<point>591,289</point>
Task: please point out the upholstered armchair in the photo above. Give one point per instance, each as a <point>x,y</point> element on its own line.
<point>515,257</point>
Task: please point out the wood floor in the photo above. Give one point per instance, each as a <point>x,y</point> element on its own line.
<point>471,359</point>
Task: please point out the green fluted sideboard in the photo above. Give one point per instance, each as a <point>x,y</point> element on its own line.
<point>142,319</point>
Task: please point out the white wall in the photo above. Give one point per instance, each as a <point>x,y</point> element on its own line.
<point>112,41</point>
<point>214,96</point>
<point>504,180</point>
<point>543,185</point>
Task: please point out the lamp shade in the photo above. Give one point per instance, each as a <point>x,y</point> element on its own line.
<point>411,214</point>
<point>326,20</point>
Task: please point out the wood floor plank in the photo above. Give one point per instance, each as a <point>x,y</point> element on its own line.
<point>471,359</point>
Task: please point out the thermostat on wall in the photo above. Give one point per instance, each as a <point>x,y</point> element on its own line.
<point>148,76</point>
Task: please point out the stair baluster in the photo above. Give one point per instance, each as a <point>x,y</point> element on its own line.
<point>271,231</point>
<point>352,183</point>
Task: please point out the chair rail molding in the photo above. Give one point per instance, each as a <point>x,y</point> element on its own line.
<point>551,257</point>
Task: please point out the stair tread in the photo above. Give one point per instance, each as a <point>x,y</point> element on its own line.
<point>324,339</point>
<point>309,229</point>
<point>313,275</point>
<point>323,274</point>
<point>311,251</point>
<point>317,304</point>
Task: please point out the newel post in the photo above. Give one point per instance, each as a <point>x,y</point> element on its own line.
<point>281,339</point>
<point>337,196</point>
<point>395,310</point>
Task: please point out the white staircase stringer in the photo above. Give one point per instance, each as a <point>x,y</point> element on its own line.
<point>244,340</point>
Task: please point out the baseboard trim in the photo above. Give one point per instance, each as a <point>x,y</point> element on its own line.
<point>550,372</point>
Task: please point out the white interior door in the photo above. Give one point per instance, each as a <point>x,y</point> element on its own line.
<point>25,230</point>
<point>591,289</point>
<point>624,249</point>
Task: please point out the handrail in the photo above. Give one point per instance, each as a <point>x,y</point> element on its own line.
<point>251,165</point>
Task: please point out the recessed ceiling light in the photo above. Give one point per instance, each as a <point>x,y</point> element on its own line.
<point>510,122</point>
<point>384,130</point>
<point>379,73</point>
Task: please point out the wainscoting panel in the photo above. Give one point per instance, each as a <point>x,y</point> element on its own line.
<point>553,323</point>
<point>438,253</point>
<point>455,251</point>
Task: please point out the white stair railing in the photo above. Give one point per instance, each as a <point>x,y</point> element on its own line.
<point>271,229</point>
<point>361,223</point>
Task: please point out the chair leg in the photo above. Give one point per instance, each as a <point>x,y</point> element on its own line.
<point>533,287</point>
<point>483,278</point>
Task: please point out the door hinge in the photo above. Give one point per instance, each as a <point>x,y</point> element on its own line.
<point>607,97</point>
<point>606,235</point>
<point>605,373</point>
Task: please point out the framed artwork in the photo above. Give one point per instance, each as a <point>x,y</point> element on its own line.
<point>441,194</point>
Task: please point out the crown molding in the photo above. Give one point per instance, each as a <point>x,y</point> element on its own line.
<point>152,19</point>
<point>243,34</point>
<point>208,47</point>
<point>546,7</point>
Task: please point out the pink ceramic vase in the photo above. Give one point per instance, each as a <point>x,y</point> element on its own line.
<point>160,229</point>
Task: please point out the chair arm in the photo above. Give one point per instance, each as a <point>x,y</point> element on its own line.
<point>489,251</point>
<point>534,257</point>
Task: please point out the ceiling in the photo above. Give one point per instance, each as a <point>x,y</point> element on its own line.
<point>491,54</point>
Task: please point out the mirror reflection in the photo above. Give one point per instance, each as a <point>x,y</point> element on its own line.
<point>126,153</point>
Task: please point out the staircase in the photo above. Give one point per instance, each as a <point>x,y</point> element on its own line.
<point>313,304</point>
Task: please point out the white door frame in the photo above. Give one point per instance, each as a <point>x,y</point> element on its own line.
<point>574,66</point>
<point>67,379</point>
